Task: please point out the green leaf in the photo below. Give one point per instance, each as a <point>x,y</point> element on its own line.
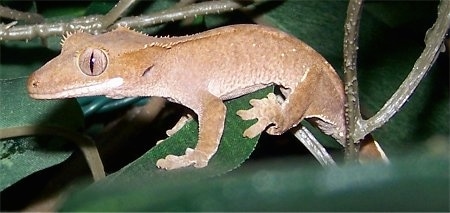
<point>391,40</point>
<point>233,150</point>
<point>63,10</point>
<point>99,7</point>
<point>18,109</point>
<point>317,23</point>
<point>410,184</point>
<point>22,156</point>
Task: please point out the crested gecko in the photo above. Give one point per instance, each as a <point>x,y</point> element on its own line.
<point>200,71</point>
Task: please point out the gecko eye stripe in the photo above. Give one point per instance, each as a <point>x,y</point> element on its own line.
<point>93,62</point>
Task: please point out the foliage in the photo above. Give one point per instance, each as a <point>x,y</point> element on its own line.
<point>391,39</point>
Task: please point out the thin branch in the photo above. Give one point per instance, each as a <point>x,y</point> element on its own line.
<point>30,18</point>
<point>121,7</point>
<point>92,24</point>
<point>174,14</point>
<point>433,41</point>
<point>352,111</point>
<point>316,149</point>
<point>27,32</point>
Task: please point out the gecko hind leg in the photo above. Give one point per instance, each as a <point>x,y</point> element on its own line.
<point>272,116</point>
<point>324,107</point>
<point>279,117</point>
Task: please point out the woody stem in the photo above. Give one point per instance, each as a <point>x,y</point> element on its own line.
<point>352,111</point>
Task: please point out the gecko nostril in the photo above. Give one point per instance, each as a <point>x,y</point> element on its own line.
<point>35,83</point>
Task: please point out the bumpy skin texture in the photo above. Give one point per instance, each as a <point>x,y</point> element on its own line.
<point>200,71</point>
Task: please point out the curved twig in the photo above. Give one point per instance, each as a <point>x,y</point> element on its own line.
<point>433,41</point>
<point>86,145</point>
<point>316,149</point>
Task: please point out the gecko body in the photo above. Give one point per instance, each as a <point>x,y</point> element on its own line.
<point>200,71</point>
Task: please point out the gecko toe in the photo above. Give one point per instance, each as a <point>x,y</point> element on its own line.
<point>256,128</point>
<point>172,162</point>
<point>191,157</point>
<point>266,110</point>
<point>246,114</point>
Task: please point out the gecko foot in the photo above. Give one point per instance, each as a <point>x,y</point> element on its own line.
<point>266,110</point>
<point>191,157</point>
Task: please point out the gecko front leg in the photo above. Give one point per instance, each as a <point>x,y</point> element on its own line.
<point>211,118</point>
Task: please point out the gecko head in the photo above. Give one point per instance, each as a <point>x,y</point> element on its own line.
<point>89,65</point>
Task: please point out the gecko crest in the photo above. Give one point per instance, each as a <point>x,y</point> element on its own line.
<point>126,28</point>
<point>69,34</point>
<point>66,35</point>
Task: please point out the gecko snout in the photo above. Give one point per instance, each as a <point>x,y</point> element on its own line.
<point>32,82</point>
<point>33,85</point>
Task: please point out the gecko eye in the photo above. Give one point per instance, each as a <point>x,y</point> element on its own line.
<point>93,62</point>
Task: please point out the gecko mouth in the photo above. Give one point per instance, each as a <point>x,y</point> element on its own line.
<point>84,90</point>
